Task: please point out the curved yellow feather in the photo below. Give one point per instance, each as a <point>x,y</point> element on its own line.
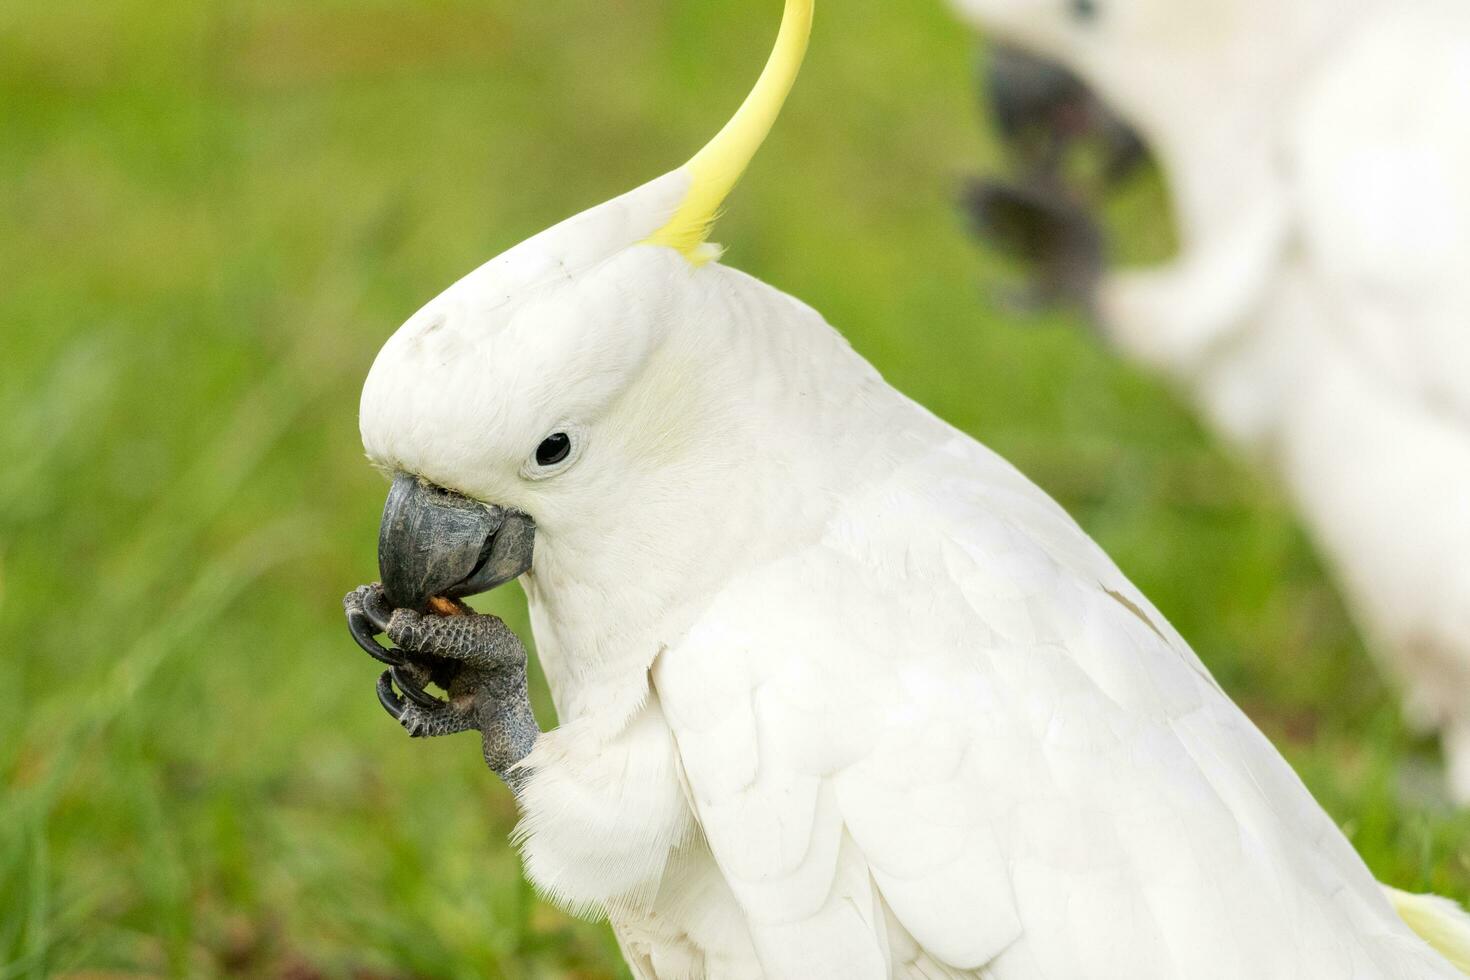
<point>716,168</point>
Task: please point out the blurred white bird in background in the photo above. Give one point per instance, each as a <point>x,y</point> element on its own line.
<point>1317,153</point>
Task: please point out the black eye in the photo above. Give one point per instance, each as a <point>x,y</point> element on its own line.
<point>553,449</point>
<point>1084,10</point>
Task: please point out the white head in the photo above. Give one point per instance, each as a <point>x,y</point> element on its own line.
<point>1205,82</point>
<point>612,384</point>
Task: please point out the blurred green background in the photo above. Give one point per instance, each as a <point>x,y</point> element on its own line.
<point>213,212</point>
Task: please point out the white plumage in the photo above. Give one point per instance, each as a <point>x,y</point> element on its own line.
<point>841,693</point>
<point>1318,156</point>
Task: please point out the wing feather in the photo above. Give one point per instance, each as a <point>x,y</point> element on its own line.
<point>979,751</point>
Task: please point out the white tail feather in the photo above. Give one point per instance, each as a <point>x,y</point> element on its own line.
<point>1438,921</point>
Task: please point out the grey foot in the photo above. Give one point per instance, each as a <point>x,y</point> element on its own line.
<point>476,659</point>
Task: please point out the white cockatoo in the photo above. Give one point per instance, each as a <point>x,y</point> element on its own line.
<point>841,693</point>
<point>1318,156</point>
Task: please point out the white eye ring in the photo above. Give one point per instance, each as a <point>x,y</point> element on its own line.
<point>555,453</point>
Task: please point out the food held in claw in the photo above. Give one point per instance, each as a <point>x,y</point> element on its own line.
<point>440,606</point>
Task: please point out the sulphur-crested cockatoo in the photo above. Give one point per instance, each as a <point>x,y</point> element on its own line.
<point>1318,156</point>
<point>841,693</point>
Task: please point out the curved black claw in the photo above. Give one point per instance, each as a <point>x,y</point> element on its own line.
<point>363,632</point>
<point>411,688</point>
<point>367,616</point>
<point>389,698</point>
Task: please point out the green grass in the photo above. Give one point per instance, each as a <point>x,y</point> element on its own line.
<point>211,216</point>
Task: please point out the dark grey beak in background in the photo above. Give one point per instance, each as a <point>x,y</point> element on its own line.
<point>1042,110</point>
<point>434,542</point>
<point>1027,91</point>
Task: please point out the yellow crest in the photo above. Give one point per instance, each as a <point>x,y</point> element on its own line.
<point>716,168</point>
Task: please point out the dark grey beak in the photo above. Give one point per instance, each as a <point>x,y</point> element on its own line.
<point>1042,110</point>
<point>434,542</point>
<point>1028,92</point>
